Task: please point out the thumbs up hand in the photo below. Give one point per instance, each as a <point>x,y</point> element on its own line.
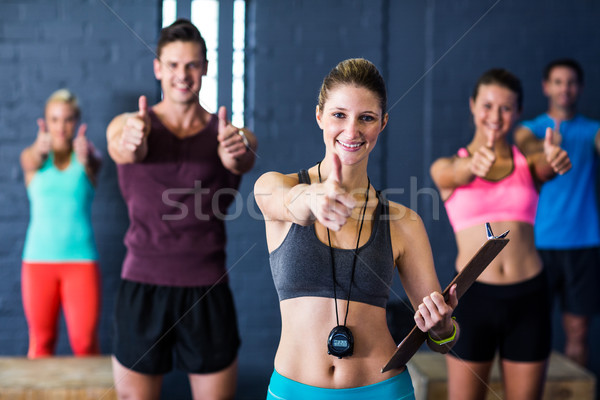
<point>483,159</point>
<point>43,141</point>
<point>81,145</point>
<point>555,156</point>
<point>231,139</point>
<point>332,205</point>
<point>136,128</point>
<point>557,136</point>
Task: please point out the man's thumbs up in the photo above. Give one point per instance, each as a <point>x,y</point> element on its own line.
<point>555,155</point>
<point>136,128</point>
<point>143,107</point>
<point>143,114</point>
<point>231,139</point>
<point>549,138</point>
<point>222,121</point>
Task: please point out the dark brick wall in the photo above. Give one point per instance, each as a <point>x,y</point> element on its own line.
<point>431,53</point>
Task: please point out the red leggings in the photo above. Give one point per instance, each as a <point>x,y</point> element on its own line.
<point>75,286</point>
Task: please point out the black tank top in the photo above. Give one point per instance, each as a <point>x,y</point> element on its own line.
<point>301,265</point>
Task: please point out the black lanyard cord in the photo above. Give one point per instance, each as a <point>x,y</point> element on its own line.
<point>364,210</point>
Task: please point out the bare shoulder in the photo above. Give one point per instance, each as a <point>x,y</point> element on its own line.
<point>270,193</point>
<point>404,221</point>
<point>272,182</point>
<point>412,252</point>
<point>407,230</point>
<point>272,179</point>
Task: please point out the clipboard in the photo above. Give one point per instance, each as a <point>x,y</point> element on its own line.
<point>476,265</point>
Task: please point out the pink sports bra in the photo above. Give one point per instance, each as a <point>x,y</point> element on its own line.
<point>513,198</point>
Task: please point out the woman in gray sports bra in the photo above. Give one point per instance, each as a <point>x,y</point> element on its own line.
<point>333,245</point>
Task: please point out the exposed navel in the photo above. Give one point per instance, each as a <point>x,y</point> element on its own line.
<point>332,370</point>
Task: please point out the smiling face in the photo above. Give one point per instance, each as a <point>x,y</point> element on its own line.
<point>61,120</point>
<point>180,71</point>
<point>495,111</point>
<point>562,87</point>
<point>351,120</point>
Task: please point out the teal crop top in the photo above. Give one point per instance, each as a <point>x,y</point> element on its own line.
<point>301,265</point>
<point>60,227</point>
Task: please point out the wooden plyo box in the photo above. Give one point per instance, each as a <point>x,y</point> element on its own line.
<point>54,378</point>
<point>565,381</point>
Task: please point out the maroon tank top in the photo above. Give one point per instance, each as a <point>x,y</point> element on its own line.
<point>177,199</point>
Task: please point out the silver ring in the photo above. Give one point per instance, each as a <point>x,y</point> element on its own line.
<point>244,138</point>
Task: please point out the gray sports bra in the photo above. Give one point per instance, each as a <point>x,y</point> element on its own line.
<point>301,265</point>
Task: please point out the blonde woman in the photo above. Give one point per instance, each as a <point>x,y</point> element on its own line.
<point>60,260</point>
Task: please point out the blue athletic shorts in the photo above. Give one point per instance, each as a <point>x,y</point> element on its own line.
<point>398,387</point>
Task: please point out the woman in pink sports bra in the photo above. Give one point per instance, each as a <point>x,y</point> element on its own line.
<point>506,311</point>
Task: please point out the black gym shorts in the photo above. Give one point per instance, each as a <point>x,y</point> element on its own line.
<point>513,320</point>
<point>574,276</point>
<point>195,325</point>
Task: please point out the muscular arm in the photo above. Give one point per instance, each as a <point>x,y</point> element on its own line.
<point>282,201</point>
<point>32,159</point>
<point>117,147</point>
<point>419,279</point>
<point>281,198</point>
<point>533,149</point>
<point>527,142</point>
<point>541,169</point>
<point>415,259</point>
<point>545,157</point>
<point>127,135</point>
<point>448,173</point>
<point>34,156</point>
